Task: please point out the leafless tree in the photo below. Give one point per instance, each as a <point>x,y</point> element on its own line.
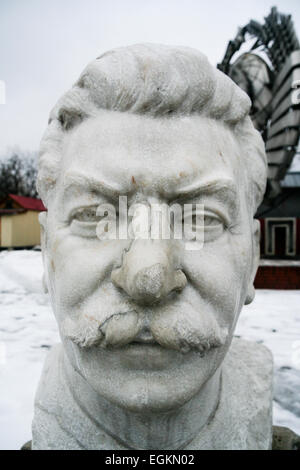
<point>18,175</point>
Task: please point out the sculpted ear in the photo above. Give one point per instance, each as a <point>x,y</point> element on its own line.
<point>43,223</point>
<point>255,261</point>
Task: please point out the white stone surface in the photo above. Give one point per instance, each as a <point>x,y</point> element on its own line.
<point>146,324</point>
<point>244,411</point>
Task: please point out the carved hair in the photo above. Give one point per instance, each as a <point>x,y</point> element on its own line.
<point>158,81</point>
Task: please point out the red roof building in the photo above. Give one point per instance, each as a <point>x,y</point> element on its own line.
<point>28,203</point>
<point>19,224</point>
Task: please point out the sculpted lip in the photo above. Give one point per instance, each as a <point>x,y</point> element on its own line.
<point>144,353</point>
<point>146,356</point>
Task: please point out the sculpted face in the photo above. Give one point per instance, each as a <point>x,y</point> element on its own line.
<point>147,322</point>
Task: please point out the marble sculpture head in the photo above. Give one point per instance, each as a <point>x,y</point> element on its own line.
<point>147,323</point>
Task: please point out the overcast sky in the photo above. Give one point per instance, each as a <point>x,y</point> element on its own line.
<point>44,45</point>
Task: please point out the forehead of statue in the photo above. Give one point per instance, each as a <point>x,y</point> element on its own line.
<point>127,152</point>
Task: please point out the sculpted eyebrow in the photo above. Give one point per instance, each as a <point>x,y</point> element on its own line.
<point>78,182</point>
<point>224,191</point>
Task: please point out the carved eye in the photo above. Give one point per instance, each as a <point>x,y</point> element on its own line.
<point>204,219</point>
<point>84,222</point>
<point>212,221</point>
<point>208,225</point>
<point>213,227</point>
<point>87,215</point>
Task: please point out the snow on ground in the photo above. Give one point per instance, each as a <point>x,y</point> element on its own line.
<point>295,166</point>
<point>28,329</point>
<point>274,320</point>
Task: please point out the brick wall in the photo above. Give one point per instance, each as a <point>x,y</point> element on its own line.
<point>278,277</point>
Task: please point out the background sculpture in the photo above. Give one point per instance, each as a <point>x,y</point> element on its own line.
<point>267,73</point>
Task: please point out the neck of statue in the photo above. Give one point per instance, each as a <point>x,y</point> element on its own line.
<point>125,429</point>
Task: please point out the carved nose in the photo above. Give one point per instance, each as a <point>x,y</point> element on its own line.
<point>147,273</point>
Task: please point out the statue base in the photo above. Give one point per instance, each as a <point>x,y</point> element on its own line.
<point>243,418</point>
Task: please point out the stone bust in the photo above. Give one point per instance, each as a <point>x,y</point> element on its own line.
<point>148,359</point>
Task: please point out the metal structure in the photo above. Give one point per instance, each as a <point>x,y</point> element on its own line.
<point>269,72</point>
